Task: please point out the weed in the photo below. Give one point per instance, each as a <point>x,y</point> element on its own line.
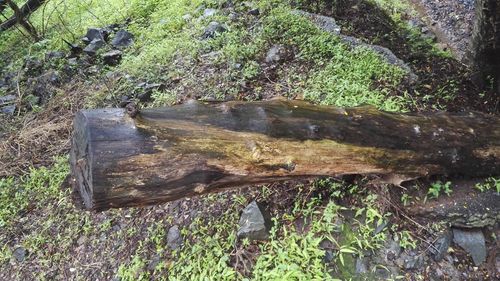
<point>439,187</point>
<point>36,188</point>
<point>134,271</point>
<point>405,199</point>
<point>343,77</point>
<point>164,98</point>
<point>406,240</point>
<point>291,256</point>
<point>207,258</point>
<point>489,184</point>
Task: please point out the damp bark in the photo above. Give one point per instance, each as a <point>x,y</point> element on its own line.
<point>169,153</point>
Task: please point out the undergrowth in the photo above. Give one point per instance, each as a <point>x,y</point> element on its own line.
<point>168,45</point>
<point>34,188</point>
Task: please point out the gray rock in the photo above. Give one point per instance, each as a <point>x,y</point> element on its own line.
<point>98,34</point>
<point>213,29</point>
<point>149,87</point>
<point>19,254</point>
<point>440,248</point>
<point>391,250</point>
<point>144,96</point>
<point>73,61</point>
<point>445,271</point>
<point>274,54</point>
<point>8,109</point>
<point>33,66</point>
<point>174,238</point>
<point>7,99</point>
<point>410,262</point>
<point>254,12</point>
<point>381,227</point>
<point>51,77</point>
<point>209,13</point>
<point>153,263</point>
<point>123,38</point>
<point>53,55</point>
<point>124,101</point>
<point>187,17</point>
<point>94,46</point>
<point>112,57</point>
<point>385,53</point>
<point>327,24</point>
<point>327,246</point>
<point>328,256</point>
<point>472,241</point>
<point>361,266</point>
<point>146,89</point>
<point>9,80</point>
<point>255,222</point>
<point>74,50</point>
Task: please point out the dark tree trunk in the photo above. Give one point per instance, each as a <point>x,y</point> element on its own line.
<point>486,42</point>
<point>168,153</point>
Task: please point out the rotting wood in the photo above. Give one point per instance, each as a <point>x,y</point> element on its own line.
<point>168,153</point>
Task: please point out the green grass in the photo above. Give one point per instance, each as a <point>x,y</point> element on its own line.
<point>341,76</point>
<point>290,254</point>
<point>293,256</point>
<point>35,188</point>
<point>168,46</point>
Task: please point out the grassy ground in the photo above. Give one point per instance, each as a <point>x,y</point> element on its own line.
<point>311,218</point>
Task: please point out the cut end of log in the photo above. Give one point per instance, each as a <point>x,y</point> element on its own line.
<point>80,160</point>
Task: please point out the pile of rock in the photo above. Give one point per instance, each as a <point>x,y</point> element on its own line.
<point>99,38</point>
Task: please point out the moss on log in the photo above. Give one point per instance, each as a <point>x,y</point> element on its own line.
<point>168,153</point>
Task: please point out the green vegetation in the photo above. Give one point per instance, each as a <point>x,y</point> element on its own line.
<point>167,45</point>
<point>396,9</point>
<point>34,188</point>
<point>437,188</point>
<point>406,240</point>
<point>294,252</point>
<point>489,184</point>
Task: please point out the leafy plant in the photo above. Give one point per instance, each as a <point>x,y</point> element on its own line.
<point>489,184</point>
<point>406,240</point>
<point>134,271</point>
<point>34,188</point>
<point>439,187</point>
<point>405,199</point>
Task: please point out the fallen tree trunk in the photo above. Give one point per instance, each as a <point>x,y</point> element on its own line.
<point>168,153</point>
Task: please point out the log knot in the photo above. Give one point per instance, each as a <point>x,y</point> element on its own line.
<point>132,109</point>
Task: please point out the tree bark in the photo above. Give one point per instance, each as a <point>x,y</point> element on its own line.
<point>168,153</point>
<point>486,42</point>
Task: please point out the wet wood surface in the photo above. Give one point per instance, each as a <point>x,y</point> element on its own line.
<point>169,153</point>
